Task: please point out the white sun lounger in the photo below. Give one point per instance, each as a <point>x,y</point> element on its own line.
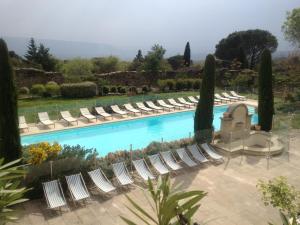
<point>77,187</point>
<point>158,164</point>
<point>142,169</point>
<point>185,157</point>
<point>184,102</point>
<point>234,94</point>
<point>141,106</point>
<point>170,160</point>
<point>217,96</point>
<point>117,110</point>
<point>198,97</point>
<point>130,108</point>
<point>217,101</point>
<point>122,173</point>
<point>153,106</point>
<point>211,152</point>
<point>173,102</point>
<point>230,97</point>
<point>66,115</point>
<point>192,99</point>
<point>22,123</point>
<point>194,150</point>
<point>100,111</point>
<point>165,105</point>
<point>44,119</point>
<point>101,181</point>
<point>86,114</point>
<point>54,194</point>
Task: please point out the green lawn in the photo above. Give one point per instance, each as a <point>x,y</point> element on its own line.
<point>30,107</point>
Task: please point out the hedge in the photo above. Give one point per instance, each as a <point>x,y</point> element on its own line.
<point>79,90</point>
<point>179,84</point>
<point>52,89</point>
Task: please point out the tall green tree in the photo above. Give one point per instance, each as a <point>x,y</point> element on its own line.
<point>265,92</point>
<point>242,58</point>
<point>154,60</point>
<point>32,50</point>
<point>137,61</point>
<point>187,55</point>
<point>291,27</point>
<point>10,147</point>
<point>203,123</point>
<point>176,61</point>
<point>40,55</point>
<point>253,42</point>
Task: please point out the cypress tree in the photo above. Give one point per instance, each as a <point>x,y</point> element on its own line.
<point>265,92</point>
<point>187,55</point>
<point>10,147</point>
<point>203,123</point>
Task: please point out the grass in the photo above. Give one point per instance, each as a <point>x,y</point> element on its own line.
<point>30,107</point>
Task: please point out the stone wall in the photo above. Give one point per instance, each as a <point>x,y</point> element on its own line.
<point>133,78</point>
<point>26,77</point>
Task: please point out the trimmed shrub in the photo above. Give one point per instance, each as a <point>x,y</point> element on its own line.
<point>24,91</point>
<point>180,85</point>
<point>145,89</point>
<point>38,89</point>
<point>79,90</point>
<point>196,84</point>
<point>188,84</point>
<point>162,84</point>
<point>121,90</point>
<point>113,89</point>
<point>52,89</point>
<point>170,84</point>
<point>104,90</point>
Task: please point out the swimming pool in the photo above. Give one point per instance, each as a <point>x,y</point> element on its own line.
<point>110,137</point>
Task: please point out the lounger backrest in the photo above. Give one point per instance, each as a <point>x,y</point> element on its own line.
<point>158,164</point>
<point>43,116</point>
<point>101,181</point>
<point>99,110</point>
<point>121,173</point>
<point>234,93</point>
<point>225,94</point>
<point>77,187</point>
<point>142,169</point>
<point>172,101</point>
<point>150,103</point>
<point>161,102</point>
<point>54,194</point>
<point>140,104</point>
<point>196,153</point>
<point>85,111</point>
<point>170,161</point>
<point>128,106</point>
<point>65,114</point>
<point>211,152</point>
<point>185,157</point>
<point>115,107</point>
<point>22,120</point>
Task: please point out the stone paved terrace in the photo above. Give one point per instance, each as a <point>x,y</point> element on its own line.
<point>232,195</point>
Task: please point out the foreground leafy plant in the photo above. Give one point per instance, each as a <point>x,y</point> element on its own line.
<point>284,197</point>
<point>10,192</point>
<point>169,205</point>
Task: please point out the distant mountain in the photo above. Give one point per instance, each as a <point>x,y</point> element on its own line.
<point>71,49</point>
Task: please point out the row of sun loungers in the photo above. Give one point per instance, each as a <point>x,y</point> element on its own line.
<point>163,163</point>
<point>147,107</point>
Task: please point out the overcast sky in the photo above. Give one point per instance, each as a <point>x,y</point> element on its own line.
<point>141,23</point>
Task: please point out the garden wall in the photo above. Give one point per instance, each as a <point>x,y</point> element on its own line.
<point>133,78</point>
<point>26,77</point>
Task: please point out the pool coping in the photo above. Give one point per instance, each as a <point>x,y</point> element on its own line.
<point>114,120</point>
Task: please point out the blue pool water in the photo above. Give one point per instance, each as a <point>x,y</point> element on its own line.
<point>139,132</point>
